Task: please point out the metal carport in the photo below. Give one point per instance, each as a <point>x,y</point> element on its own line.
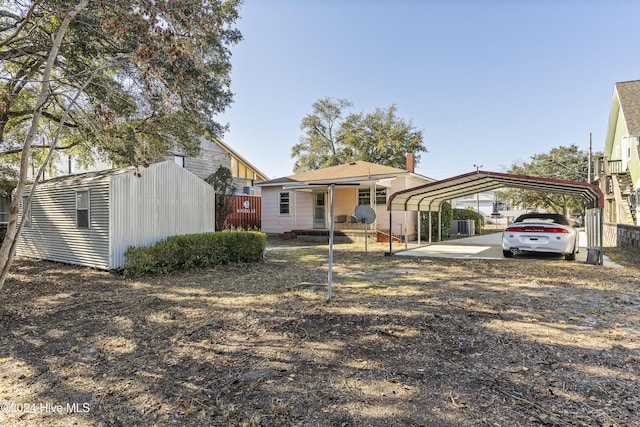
<point>429,197</point>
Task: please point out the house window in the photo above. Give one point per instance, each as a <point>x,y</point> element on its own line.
<point>364,196</point>
<point>27,218</point>
<point>82,209</point>
<point>179,160</point>
<point>284,203</point>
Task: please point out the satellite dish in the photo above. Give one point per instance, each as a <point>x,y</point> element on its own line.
<point>365,214</point>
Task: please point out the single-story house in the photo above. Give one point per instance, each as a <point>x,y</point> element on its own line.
<point>91,219</point>
<point>302,201</point>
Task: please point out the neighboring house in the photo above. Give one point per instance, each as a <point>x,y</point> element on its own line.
<point>618,171</point>
<point>213,154</point>
<point>92,218</point>
<point>493,210</point>
<point>483,201</point>
<point>302,201</point>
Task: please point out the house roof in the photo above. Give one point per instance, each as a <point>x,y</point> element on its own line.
<point>629,98</point>
<point>224,146</point>
<point>355,171</point>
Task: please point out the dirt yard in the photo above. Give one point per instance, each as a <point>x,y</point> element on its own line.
<point>404,342</point>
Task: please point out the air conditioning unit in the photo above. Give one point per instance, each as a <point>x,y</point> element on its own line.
<point>463,227</point>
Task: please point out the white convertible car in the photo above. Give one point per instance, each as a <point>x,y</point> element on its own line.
<point>540,232</point>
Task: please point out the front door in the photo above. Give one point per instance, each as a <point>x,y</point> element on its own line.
<point>319,216</point>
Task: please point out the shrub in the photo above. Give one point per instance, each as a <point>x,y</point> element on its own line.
<point>446,215</point>
<point>194,250</point>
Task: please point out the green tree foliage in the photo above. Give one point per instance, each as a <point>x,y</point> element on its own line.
<point>446,216</point>
<point>136,78</point>
<point>332,137</point>
<point>321,146</point>
<point>565,163</point>
<point>222,182</point>
<point>130,80</point>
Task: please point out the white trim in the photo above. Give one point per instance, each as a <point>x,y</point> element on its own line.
<point>88,209</point>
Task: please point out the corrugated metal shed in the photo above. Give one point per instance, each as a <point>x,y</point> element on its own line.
<point>124,210</point>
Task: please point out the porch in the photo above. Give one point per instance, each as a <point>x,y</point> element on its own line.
<point>344,235</point>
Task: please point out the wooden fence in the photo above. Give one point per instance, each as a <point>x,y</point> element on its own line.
<point>246,213</point>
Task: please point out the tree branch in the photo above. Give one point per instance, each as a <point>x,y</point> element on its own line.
<point>8,248</point>
<point>22,24</point>
<point>47,147</point>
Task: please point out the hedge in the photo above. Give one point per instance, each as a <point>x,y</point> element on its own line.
<point>446,215</point>
<point>194,250</point>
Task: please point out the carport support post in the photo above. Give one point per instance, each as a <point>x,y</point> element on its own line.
<point>406,230</point>
<point>390,235</point>
<point>440,223</point>
<point>419,225</point>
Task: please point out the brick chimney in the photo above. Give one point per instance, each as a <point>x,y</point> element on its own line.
<point>411,162</point>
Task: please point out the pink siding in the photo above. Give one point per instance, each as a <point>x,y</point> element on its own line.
<point>346,199</point>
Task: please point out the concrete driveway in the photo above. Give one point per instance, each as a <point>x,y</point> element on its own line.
<point>486,246</point>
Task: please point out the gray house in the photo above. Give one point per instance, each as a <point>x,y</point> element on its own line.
<point>215,153</point>
<point>92,218</point>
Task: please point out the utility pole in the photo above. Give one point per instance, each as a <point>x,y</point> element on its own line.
<point>478,194</point>
<point>589,161</point>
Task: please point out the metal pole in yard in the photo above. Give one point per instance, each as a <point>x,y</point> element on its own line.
<point>330,275</point>
<point>366,236</point>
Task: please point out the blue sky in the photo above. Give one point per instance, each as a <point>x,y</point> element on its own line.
<point>489,83</point>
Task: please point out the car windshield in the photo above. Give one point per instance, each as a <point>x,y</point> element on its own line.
<point>543,218</point>
<point>538,220</point>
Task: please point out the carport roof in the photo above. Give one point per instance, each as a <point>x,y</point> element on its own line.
<point>429,196</point>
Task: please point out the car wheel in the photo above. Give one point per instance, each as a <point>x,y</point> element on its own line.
<point>571,256</point>
<point>507,254</point>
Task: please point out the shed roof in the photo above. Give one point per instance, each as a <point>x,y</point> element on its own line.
<point>429,196</point>
<point>85,177</point>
